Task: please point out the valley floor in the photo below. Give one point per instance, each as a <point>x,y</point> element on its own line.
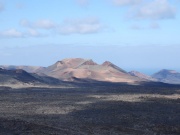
<point>91,110</point>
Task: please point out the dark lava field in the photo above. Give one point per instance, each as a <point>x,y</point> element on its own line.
<point>116,109</point>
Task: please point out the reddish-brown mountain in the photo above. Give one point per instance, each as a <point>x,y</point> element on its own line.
<point>68,69</point>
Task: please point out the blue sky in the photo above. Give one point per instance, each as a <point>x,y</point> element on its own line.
<point>134,34</point>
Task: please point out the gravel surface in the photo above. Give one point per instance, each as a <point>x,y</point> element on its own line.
<point>93,110</point>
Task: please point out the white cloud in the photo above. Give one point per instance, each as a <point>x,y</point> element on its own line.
<point>83,2</point>
<point>11,33</point>
<point>68,26</point>
<point>33,33</point>
<point>153,10</point>
<point>40,24</point>
<point>81,26</point>
<point>126,2</point>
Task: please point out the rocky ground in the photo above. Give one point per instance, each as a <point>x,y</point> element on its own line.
<point>87,110</point>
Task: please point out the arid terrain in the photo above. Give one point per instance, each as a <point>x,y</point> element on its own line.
<point>80,97</point>
<point>89,67</point>
<point>91,109</point>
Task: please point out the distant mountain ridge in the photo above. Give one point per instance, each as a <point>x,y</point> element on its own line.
<point>16,77</point>
<point>167,76</point>
<point>31,69</point>
<point>20,77</point>
<point>73,69</point>
<point>87,69</point>
<point>141,75</point>
<point>68,69</point>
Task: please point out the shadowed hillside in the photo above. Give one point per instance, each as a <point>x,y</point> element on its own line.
<point>19,77</point>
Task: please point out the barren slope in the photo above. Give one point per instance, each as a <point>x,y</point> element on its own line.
<point>141,75</point>
<point>68,69</point>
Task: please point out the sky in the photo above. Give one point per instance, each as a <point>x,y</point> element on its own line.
<point>142,35</point>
